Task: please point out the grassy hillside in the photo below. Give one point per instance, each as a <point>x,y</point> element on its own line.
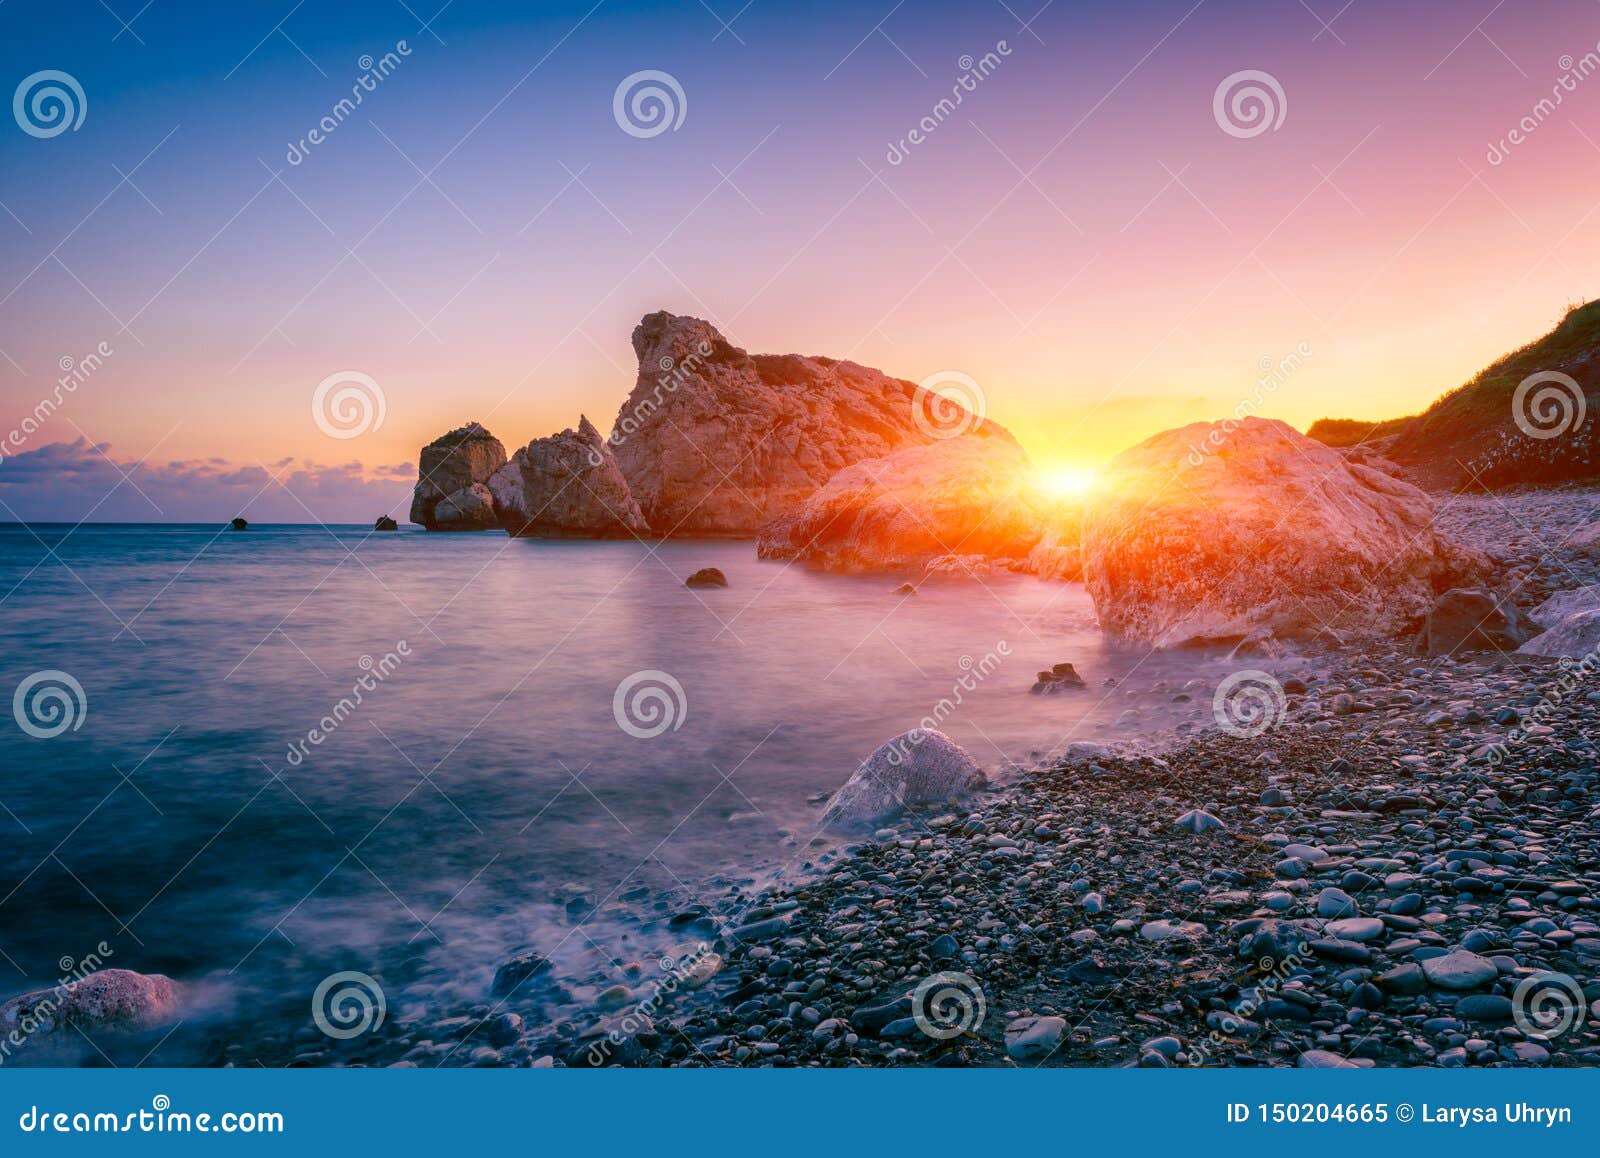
<point>1471,437</point>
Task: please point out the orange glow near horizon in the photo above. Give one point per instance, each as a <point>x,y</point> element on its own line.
<point>1068,482</point>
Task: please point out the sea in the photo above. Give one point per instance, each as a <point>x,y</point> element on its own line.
<point>254,759</point>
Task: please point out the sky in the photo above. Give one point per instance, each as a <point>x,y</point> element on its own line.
<point>1089,235</point>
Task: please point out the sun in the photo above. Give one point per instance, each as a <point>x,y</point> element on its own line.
<point>1068,481</point>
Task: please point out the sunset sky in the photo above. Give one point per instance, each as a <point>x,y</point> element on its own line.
<point>1080,236</point>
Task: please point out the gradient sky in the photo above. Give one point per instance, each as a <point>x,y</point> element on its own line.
<point>1081,237</point>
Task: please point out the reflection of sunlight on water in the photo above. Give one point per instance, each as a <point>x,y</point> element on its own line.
<point>452,817</point>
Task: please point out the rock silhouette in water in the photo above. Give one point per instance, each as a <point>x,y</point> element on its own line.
<point>706,577</point>
<point>566,486</point>
<point>451,471</point>
<point>716,442</point>
<point>240,524</point>
<point>385,523</point>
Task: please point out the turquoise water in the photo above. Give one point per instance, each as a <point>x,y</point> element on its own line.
<point>191,824</point>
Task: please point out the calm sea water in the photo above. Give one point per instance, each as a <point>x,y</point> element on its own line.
<point>487,778</point>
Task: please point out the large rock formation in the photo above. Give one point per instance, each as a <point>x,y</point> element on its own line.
<point>449,469</point>
<point>717,442</point>
<point>959,496</point>
<point>566,486</point>
<point>1214,533</point>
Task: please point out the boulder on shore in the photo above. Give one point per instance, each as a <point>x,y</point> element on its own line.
<point>715,441</point>
<point>921,766</point>
<point>1474,620</point>
<point>103,1001</point>
<point>1564,603</point>
<point>449,468</point>
<point>970,495</point>
<point>1575,637</point>
<point>1216,532</point>
<point>566,486</point>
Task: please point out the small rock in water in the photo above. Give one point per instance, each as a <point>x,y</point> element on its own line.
<point>1061,677</point>
<point>514,972</point>
<point>906,589</point>
<point>706,577</point>
<point>385,523</point>
<point>240,524</point>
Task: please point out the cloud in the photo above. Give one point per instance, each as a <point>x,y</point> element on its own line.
<point>71,481</point>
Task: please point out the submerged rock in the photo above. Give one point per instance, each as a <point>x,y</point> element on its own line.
<point>566,486</point>
<point>449,468</point>
<point>917,767</point>
<point>1219,531</point>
